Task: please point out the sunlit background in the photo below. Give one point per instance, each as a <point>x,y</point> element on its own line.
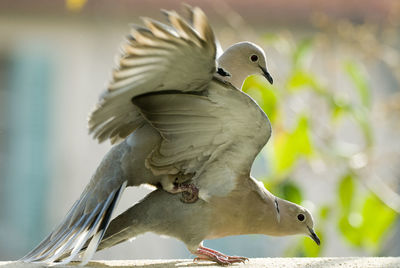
<point>334,108</point>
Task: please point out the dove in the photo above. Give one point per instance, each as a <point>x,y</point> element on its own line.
<point>247,209</point>
<point>184,123</point>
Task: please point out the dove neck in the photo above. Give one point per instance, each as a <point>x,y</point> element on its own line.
<point>236,76</point>
<point>251,209</point>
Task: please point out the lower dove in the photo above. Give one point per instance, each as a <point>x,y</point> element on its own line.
<point>186,127</point>
<point>247,209</point>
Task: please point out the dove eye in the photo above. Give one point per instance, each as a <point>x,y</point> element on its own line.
<point>301,217</point>
<point>254,58</point>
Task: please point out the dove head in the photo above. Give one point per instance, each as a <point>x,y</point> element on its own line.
<point>295,219</point>
<point>242,60</point>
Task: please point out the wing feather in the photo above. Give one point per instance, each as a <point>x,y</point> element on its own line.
<point>198,128</point>
<point>179,56</point>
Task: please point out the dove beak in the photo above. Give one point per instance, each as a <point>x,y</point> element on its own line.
<point>267,75</point>
<point>314,236</point>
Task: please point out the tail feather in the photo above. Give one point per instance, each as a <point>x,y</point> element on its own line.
<point>96,239</point>
<point>45,243</point>
<point>66,242</point>
<point>76,230</point>
<point>85,236</point>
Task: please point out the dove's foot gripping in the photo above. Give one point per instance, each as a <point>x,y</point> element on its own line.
<point>181,183</point>
<point>207,254</point>
<point>190,193</point>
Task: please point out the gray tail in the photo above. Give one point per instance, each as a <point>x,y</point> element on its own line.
<point>78,229</point>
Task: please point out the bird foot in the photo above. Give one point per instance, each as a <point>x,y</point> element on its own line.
<point>208,254</point>
<point>190,193</point>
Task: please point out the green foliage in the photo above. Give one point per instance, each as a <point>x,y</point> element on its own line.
<point>346,192</point>
<point>324,212</point>
<point>339,108</point>
<point>364,219</point>
<point>359,80</point>
<point>306,247</point>
<point>361,117</point>
<point>302,49</point>
<point>360,112</point>
<point>288,190</point>
<point>289,146</point>
<point>377,218</point>
<point>361,217</point>
<point>301,79</point>
<point>310,248</point>
<point>264,94</point>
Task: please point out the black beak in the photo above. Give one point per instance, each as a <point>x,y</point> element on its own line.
<point>314,236</point>
<point>267,75</point>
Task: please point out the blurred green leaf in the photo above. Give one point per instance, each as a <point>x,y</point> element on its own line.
<point>377,218</point>
<point>324,212</point>
<point>360,82</point>
<point>284,152</point>
<point>288,147</point>
<point>311,249</point>
<point>299,79</point>
<point>346,192</point>
<point>288,190</point>
<point>365,223</point>
<point>361,117</point>
<point>350,218</point>
<point>339,107</point>
<point>351,233</point>
<point>301,137</point>
<point>292,193</point>
<point>301,51</point>
<point>264,94</point>
<point>306,247</point>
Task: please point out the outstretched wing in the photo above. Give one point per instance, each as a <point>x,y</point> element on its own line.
<point>158,57</point>
<point>223,125</point>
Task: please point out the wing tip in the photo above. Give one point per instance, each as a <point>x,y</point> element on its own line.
<point>202,25</point>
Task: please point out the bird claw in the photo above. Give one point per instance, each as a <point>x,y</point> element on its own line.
<point>190,193</point>
<point>207,254</point>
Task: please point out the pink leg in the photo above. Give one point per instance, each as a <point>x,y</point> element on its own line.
<point>208,254</point>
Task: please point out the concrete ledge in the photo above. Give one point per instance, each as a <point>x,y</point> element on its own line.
<point>259,262</point>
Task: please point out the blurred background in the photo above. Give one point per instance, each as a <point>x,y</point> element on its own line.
<point>334,108</point>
